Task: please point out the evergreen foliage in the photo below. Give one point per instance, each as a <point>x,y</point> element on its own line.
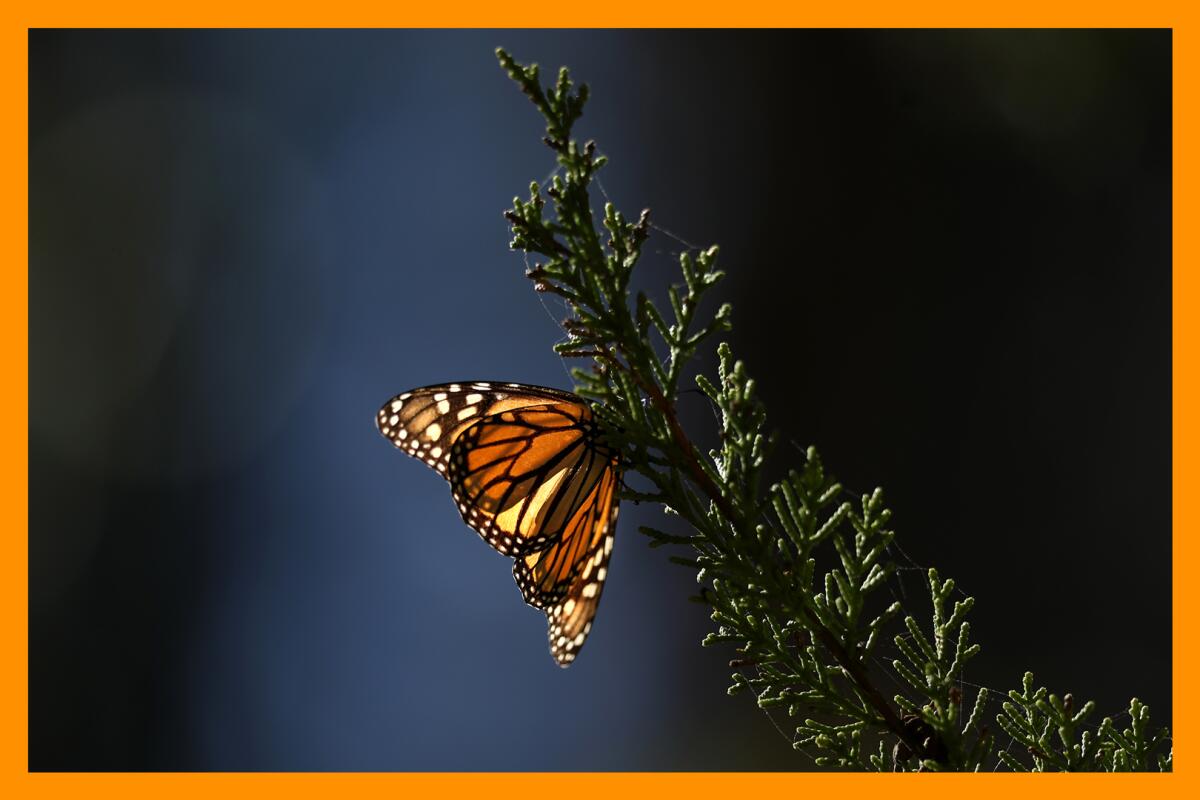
<point>794,572</point>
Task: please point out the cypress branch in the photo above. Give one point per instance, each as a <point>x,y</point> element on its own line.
<point>809,638</point>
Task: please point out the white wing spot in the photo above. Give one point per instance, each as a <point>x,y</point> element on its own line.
<point>608,545</point>
<point>433,431</point>
<point>403,434</point>
<point>474,398</point>
<point>602,573</point>
<point>484,385</point>
<point>454,387</point>
<point>443,406</point>
<point>466,412</point>
<point>404,396</point>
<point>393,420</point>
<point>435,452</point>
<point>579,639</point>
<point>569,606</point>
<point>396,406</point>
<point>589,590</point>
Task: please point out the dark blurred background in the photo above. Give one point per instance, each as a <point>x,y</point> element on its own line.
<point>949,258</point>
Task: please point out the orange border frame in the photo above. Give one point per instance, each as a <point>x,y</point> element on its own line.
<point>16,781</point>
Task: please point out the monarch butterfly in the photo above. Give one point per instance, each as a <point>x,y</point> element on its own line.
<point>529,471</point>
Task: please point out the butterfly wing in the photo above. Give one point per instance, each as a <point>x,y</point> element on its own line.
<point>565,580</point>
<point>426,422</point>
<point>528,473</point>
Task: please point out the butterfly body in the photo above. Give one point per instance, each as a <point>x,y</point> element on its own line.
<point>531,474</point>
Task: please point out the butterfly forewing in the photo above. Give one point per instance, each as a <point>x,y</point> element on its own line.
<point>529,473</point>
<point>425,422</point>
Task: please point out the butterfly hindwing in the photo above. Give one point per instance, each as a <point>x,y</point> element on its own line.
<point>520,476</point>
<point>565,580</point>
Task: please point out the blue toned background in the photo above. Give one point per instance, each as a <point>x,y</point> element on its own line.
<point>949,255</point>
